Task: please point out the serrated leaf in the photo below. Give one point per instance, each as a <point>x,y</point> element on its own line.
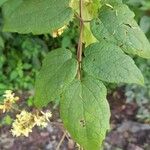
<point>116,24</point>
<point>36,16</point>
<point>85,112</point>
<point>58,70</point>
<point>108,62</point>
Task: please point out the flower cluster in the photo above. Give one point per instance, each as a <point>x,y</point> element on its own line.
<point>25,121</point>
<point>9,100</point>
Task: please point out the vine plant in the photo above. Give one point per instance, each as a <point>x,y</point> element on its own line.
<point>108,35</point>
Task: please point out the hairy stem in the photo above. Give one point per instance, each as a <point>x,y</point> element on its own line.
<point>80,45</point>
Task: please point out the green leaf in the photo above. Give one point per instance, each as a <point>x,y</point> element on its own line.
<point>36,16</point>
<point>145,24</point>
<point>7,120</point>
<point>116,24</point>
<point>108,62</point>
<point>2,2</point>
<point>90,7</point>
<point>88,37</point>
<point>85,112</point>
<point>1,42</point>
<point>103,2</point>
<point>58,70</point>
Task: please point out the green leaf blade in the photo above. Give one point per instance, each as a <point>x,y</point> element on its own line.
<point>2,2</point>
<point>105,2</point>
<point>116,24</point>
<point>58,70</point>
<point>85,112</point>
<point>107,62</point>
<point>36,16</point>
<point>2,44</point>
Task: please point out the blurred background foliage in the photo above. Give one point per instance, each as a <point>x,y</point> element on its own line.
<point>21,57</point>
<point>141,95</point>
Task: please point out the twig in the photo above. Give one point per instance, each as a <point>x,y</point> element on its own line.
<point>62,139</point>
<point>57,123</point>
<point>16,109</point>
<point>81,19</point>
<point>80,46</point>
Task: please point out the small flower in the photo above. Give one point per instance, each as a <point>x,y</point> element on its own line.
<point>9,95</point>
<point>3,108</point>
<point>40,121</point>
<point>43,119</point>
<point>59,32</point>
<point>26,121</point>
<point>23,124</point>
<point>9,100</point>
<point>47,115</point>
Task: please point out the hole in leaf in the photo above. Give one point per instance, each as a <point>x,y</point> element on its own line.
<point>121,45</point>
<point>93,59</point>
<point>128,25</point>
<point>97,23</point>
<point>82,122</point>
